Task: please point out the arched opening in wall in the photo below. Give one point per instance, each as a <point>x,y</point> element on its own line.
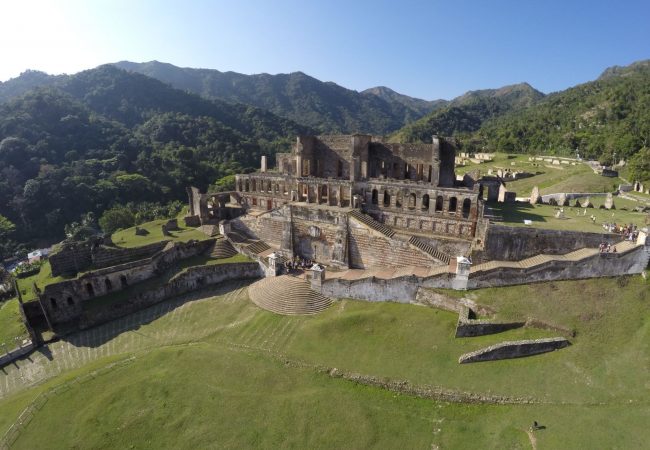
<point>411,201</point>
<point>89,289</point>
<point>453,204</point>
<point>108,284</point>
<point>425,202</point>
<point>247,186</point>
<point>386,198</point>
<point>70,301</point>
<point>467,204</point>
<point>254,201</point>
<point>123,281</point>
<point>239,185</point>
<point>53,303</point>
<point>439,202</point>
<point>268,186</point>
<point>398,200</point>
<point>375,197</point>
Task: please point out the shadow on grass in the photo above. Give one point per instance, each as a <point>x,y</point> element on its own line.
<point>101,334</point>
<point>516,212</point>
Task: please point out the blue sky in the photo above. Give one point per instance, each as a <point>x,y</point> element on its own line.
<point>427,49</point>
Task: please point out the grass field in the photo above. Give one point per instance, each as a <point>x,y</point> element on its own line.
<point>128,238</point>
<point>543,216</point>
<point>549,178</point>
<point>219,372</point>
<point>11,324</point>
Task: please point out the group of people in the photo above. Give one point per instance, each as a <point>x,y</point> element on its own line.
<point>297,263</point>
<point>606,247</point>
<point>629,232</point>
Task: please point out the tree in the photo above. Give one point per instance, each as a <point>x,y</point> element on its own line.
<point>116,218</point>
<point>6,228</point>
<point>640,165</point>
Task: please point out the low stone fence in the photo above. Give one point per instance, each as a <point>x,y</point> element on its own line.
<point>514,349</point>
<point>16,353</point>
<point>189,280</point>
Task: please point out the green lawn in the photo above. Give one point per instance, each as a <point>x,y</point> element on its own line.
<point>543,216</point>
<point>549,178</point>
<point>42,279</point>
<point>11,324</point>
<point>219,372</point>
<point>128,238</point>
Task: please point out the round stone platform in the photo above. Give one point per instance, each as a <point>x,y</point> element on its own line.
<point>287,295</point>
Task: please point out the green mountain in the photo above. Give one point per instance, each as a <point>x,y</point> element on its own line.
<point>598,119</point>
<point>468,112</point>
<point>27,80</point>
<point>106,136</point>
<point>324,106</point>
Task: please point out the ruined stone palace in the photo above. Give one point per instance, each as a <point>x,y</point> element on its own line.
<point>354,201</point>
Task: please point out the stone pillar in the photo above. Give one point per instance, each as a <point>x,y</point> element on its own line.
<point>463,269</point>
<point>274,267</point>
<point>263,164</point>
<point>317,277</point>
<point>339,197</point>
<point>298,166</point>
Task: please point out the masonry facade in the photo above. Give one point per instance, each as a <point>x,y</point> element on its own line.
<point>302,206</point>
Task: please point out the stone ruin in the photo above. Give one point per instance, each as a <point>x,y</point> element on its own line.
<point>535,198</point>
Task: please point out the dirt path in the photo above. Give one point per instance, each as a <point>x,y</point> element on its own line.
<point>533,439</point>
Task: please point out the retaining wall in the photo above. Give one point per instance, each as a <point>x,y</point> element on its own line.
<point>16,353</point>
<point>191,279</point>
<point>514,349</point>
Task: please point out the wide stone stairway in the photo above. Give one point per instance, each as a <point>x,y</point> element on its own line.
<point>287,295</point>
<point>428,249</point>
<point>372,223</point>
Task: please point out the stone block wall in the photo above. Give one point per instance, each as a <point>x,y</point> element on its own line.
<point>504,243</point>
<point>104,256</point>
<point>71,259</point>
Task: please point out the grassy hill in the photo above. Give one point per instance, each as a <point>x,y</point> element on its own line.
<point>214,370</point>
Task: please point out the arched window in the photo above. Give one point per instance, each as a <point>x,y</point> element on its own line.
<point>375,196</point>
<point>411,201</point>
<point>53,303</point>
<point>89,289</point>
<point>467,204</point>
<point>70,301</point>
<point>425,202</point>
<point>439,202</point>
<point>453,204</point>
<point>109,285</point>
<point>386,198</point>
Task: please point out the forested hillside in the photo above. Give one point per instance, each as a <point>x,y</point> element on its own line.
<point>105,137</point>
<point>468,112</point>
<point>324,106</point>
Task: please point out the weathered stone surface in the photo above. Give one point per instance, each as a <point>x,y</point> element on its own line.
<point>535,197</point>
<point>609,201</point>
<point>562,200</point>
<point>514,349</point>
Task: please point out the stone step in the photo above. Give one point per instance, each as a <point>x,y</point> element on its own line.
<point>258,247</point>
<point>372,223</point>
<point>429,249</point>
<point>287,295</point>
<point>222,249</point>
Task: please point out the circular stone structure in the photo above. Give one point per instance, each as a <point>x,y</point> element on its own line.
<point>287,295</point>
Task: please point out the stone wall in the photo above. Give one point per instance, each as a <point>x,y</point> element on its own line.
<point>469,327</point>
<point>504,243</point>
<point>71,259</point>
<point>599,265</point>
<point>191,279</point>
<point>104,256</point>
<point>63,301</point>
<point>514,349</point>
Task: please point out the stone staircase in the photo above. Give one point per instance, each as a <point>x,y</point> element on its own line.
<point>258,247</point>
<point>538,260</point>
<point>372,223</point>
<point>429,249</point>
<point>222,249</point>
<point>287,295</point>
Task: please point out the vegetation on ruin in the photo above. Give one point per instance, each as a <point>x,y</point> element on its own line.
<point>12,329</point>
<point>220,371</point>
